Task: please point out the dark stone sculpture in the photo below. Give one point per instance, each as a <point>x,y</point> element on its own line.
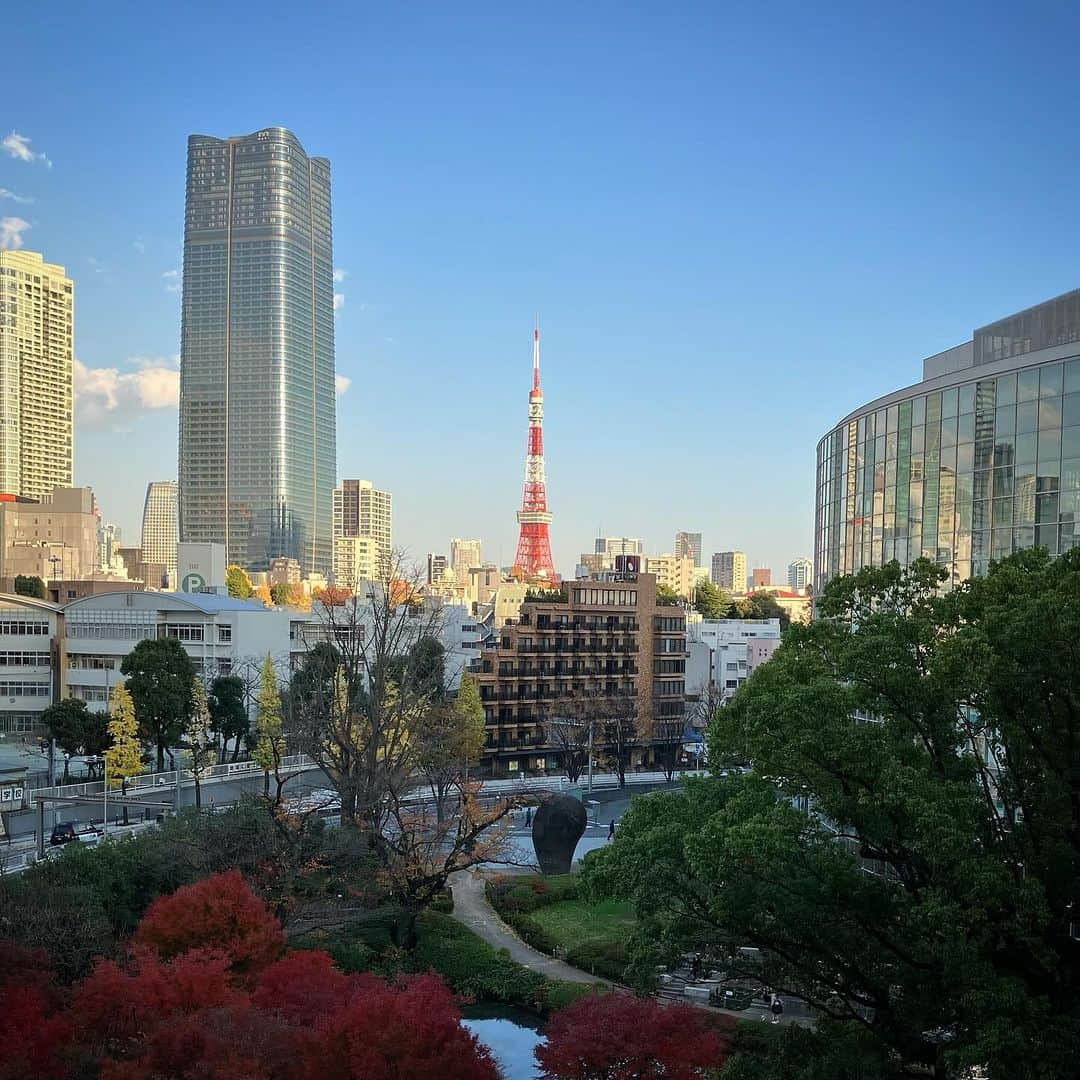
<point>557,828</point>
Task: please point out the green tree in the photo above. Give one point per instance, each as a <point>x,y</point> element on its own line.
<point>159,675</point>
<point>238,583</point>
<point>906,856</point>
<point>279,594</point>
<point>711,601</point>
<point>269,731</point>
<point>765,606</point>
<point>228,712</point>
<point>667,596</point>
<point>470,714</point>
<point>123,759</point>
<point>76,729</point>
<point>198,737</point>
<point>28,585</point>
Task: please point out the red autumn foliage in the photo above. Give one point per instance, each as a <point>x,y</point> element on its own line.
<point>618,1037</point>
<point>220,913</point>
<point>411,1029</point>
<point>30,1039</point>
<point>302,987</point>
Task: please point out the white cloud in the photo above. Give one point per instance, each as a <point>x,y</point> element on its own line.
<point>341,384</point>
<point>108,399</point>
<point>172,280</point>
<point>11,230</point>
<point>6,194</point>
<point>95,264</point>
<point>18,146</point>
<point>339,301</point>
<point>340,275</point>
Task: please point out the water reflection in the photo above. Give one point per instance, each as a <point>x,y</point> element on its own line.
<point>511,1033</point>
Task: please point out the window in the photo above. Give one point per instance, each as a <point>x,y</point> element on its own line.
<point>23,627</point>
<point>224,634</point>
<point>23,659</point>
<point>182,631</point>
<point>25,689</point>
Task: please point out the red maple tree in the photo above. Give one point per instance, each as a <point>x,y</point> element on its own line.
<point>219,913</point>
<point>619,1037</point>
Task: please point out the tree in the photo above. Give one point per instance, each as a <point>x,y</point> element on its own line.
<point>262,594</point>
<point>710,600</point>
<point>270,738</point>
<point>620,731</point>
<point>906,856</point>
<point>571,735</point>
<point>364,729</point>
<point>238,583</point>
<point>29,585</point>
<point>619,1037</point>
<point>228,712</point>
<point>469,710</point>
<point>279,594</point>
<point>159,675</point>
<point>219,914</point>
<point>667,596</point>
<point>123,759</point>
<point>76,729</point>
<point>198,737</point>
<point>448,736</point>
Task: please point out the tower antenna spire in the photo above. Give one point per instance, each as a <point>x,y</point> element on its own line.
<point>534,543</point>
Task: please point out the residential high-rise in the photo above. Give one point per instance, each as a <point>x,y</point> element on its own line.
<point>159,531</point>
<point>675,572</point>
<point>617,545</point>
<point>729,570</point>
<point>760,576</point>
<point>436,568</point>
<point>36,316</point>
<point>800,574</point>
<point>688,546</point>
<point>257,406</point>
<point>361,511</point>
<point>464,554</point>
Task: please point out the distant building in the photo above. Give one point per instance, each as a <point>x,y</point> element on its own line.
<point>796,604</point>
<point>361,511</point>
<point>153,575</point>
<point>672,571</point>
<point>284,571</point>
<point>200,566</point>
<point>258,410</point>
<point>159,525</point>
<point>109,541</point>
<point>464,555</point>
<point>688,546</point>
<point>760,577</point>
<point>800,574</point>
<point>31,638</point>
<point>617,545</point>
<point>436,568</point>
<point>724,653</point>
<point>729,570</point>
<point>36,361</point>
<point>55,538</point>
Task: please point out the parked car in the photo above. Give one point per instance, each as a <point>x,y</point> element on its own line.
<point>63,833</point>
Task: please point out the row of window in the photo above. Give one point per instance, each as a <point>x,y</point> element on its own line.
<point>12,658</point>
<point>23,627</point>
<point>25,689</point>
<point>606,597</point>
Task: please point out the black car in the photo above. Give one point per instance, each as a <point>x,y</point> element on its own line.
<point>63,833</point>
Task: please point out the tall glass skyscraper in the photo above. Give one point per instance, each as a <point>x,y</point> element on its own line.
<point>257,409</point>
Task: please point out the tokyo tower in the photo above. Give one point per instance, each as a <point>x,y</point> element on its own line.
<point>533,557</point>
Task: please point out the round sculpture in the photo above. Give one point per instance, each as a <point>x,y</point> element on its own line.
<point>556,830</point>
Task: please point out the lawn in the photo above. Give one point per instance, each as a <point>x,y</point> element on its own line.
<point>575,922</point>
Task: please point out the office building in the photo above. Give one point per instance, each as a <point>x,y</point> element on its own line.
<point>800,574</point>
<point>33,676</point>
<point>361,511</point>
<point>257,403</point>
<point>729,570</point>
<point>760,577</point>
<point>672,572</point>
<point>978,460</point>
<point>617,545</point>
<point>723,653</point>
<point>688,546</point>
<point>153,575</point>
<point>464,555</point>
<point>436,568</point>
<point>55,538</point>
<point>606,649</point>
<point>36,317</point>
<point>159,527</point>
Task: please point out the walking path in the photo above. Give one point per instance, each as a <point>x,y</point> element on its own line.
<point>471,908</point>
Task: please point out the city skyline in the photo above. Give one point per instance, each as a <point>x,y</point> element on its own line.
<point>417,292</point>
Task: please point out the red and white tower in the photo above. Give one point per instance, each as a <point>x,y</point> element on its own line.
<point>534,545</point>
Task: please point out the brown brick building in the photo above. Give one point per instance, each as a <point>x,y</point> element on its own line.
<point>601,652</point>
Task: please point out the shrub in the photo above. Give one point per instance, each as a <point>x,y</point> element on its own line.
<point>606,958</point>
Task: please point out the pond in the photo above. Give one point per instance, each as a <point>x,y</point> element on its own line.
<point>510,1033</point>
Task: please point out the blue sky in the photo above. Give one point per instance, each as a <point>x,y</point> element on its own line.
<point>737,223</point>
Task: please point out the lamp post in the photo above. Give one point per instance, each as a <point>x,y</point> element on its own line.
<point>105,823</point>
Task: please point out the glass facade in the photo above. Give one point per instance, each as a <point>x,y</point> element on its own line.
<point>960,470</point>
<point>257,407</point>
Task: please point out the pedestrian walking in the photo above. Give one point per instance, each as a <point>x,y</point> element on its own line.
<point>528,817</point>
<point>611,830</point>
<point>776,1007</point>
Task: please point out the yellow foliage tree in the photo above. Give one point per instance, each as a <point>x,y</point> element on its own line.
<point>123,759</point>
<point>262,593</point>
<point>198,734</point>
<point>270,737</point>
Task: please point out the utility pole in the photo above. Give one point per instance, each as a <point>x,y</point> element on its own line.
<point>592,725</point>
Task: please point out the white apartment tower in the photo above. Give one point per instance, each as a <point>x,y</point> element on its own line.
<point>361,511</point>
<point>36,317</point>
<point>800,574</point>
<point>729,570</point>
<point>464,555</point>
<point>159,525</point>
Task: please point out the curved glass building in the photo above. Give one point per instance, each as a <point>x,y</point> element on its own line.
<point>978,460</point>
<point>257,409</point>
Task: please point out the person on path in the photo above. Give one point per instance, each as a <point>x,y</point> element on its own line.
<point>611,830</point>
<point>528,816</point>
<point>776,1007</point>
